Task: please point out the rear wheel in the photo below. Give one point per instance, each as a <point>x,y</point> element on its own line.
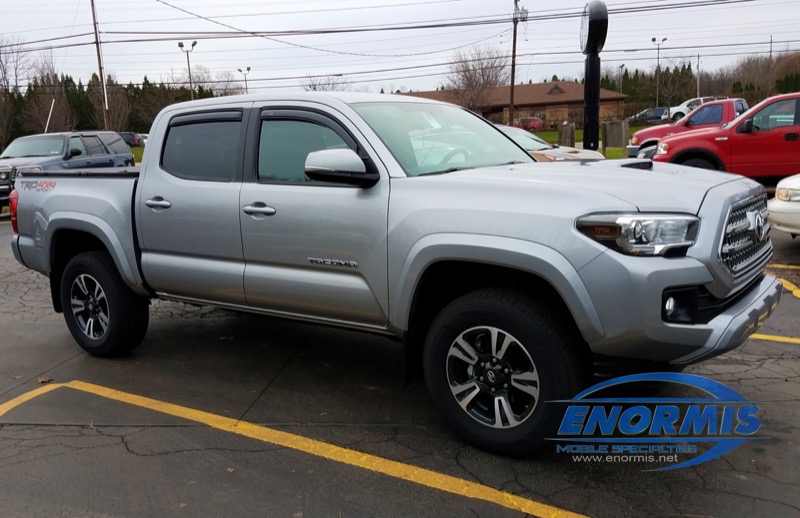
<point>103,315</point>
<point>677,116</point>
<point>702,163</point>
<point>492,360</point>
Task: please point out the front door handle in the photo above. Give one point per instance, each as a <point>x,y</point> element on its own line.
<point>792,137</point>
<point>258,208</point>
<point>158,203</point>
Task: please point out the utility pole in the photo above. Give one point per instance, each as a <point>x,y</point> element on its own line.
<point>698,74</point>
<point>621,67</point>
<point>106,113</point>
<point>519,14</point>
<point>658,64</point>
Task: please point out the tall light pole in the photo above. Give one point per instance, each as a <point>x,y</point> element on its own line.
<point>245,78</point>
<point>106,112</point>
<point>188,66</point>
<point>621,67</point>
<point>658,64</point>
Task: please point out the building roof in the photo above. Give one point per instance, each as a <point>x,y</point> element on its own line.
<point>557,92</point>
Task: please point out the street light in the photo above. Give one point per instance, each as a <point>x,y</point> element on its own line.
<point>245,78</point>
<point>622,66</point>
<point>188,66</point>
<point>658,64</point>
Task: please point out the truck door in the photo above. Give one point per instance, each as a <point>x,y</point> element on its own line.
<point>772,149</point>
<point>188,207</point>
<point>312,249</point>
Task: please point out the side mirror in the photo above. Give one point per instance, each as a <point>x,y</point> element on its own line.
<point>75,152</point>
<point>745,127</point>
<point>339,166</point>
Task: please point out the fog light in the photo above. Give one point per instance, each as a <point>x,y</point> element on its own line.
<point>670,306</point>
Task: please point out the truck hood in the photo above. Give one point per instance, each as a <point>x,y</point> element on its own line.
<point>648,186</point>
<point>34,160</point>
<point>656,131</point>
<point>695,134</point>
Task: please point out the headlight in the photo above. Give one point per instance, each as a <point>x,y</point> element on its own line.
<point>785,194</point>
<point>3,175</point>
<point>641,234</point>
<point>634,140</point>
<point>662,148</point>
<point>29,169</point>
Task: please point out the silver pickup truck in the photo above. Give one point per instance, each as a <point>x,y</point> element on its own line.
<point>509,283</point>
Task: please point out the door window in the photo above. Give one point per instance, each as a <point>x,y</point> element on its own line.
<point>203,150</point>
<point>284,146</point>
<point>707,115</point>
<point>77,143</point>
<point>776,115</point>
<point>93,146</point>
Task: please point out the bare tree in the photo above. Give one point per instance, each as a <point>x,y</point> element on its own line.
<point>14,64</point>
<point>676,81</point>
<point>6,113</point>
<point>44,93</point>
<point>119,108</point>
<point>474,73</point>
<point>227,84</point>
<point>332,83</point>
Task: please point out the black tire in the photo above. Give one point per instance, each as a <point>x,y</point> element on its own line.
<point>702,163</point>
<point>677,116</point>
<point>533,337</point>
<point>112,320</point>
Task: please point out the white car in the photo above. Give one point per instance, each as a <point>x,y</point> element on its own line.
<point>784,208</point>
<point>679,112</point>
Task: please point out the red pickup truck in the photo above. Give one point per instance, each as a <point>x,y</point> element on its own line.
<point>763,143</point>
<point>709,115</point>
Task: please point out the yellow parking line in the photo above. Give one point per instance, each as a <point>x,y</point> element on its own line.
<point>775,338</point>
<point>784,266</point>
<point>791,288</point>
<point>387,467</point>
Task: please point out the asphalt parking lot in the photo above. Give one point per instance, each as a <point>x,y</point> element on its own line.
<point>220,414</point>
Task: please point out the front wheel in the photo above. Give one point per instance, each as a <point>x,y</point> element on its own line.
<point>701,163</point>
<point>493,359</point>
<point>103,315</point>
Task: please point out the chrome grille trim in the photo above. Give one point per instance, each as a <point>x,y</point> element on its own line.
<point>740,249</point>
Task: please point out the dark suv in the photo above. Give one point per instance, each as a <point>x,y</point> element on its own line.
<point>132,139</point>
<point>69,150</point>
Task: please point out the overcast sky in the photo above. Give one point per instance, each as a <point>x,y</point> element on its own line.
<point>415,59</point>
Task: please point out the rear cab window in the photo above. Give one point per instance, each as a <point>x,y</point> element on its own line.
<point>204,146</point>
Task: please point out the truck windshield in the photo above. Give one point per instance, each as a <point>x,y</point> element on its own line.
<point>38,146</point>
<point>436,138</point>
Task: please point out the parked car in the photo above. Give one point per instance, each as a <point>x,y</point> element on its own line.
<point>144,136</point>
<point>762,143</point>
<point>54,151</point>
<point>542,151</point>
<point>784,208</point>
<point>680,111</point>
<point>529,123</point>
<point>711,114</point>
<point>507,282</point>
<point>649,116</point>
<point>132,139</point>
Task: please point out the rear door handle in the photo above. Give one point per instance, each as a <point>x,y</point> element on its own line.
<point>158,202</point>
<point>792,137</point>
<point>258,208</point>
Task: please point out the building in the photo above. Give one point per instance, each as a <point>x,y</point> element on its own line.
<point>553,103</point>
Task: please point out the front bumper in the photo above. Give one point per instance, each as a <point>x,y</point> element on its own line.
<point>632,151</point>
<point>784,215</point>
<point>627,294</point>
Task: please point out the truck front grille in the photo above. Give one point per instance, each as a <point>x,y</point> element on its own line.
<point>746,243</point>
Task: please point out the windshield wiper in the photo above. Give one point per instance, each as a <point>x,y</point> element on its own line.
<point>513,162</point>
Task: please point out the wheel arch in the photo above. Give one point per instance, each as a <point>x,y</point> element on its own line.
<point>705,154</point>
<point>69,236</point>
<point>432,278</point>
